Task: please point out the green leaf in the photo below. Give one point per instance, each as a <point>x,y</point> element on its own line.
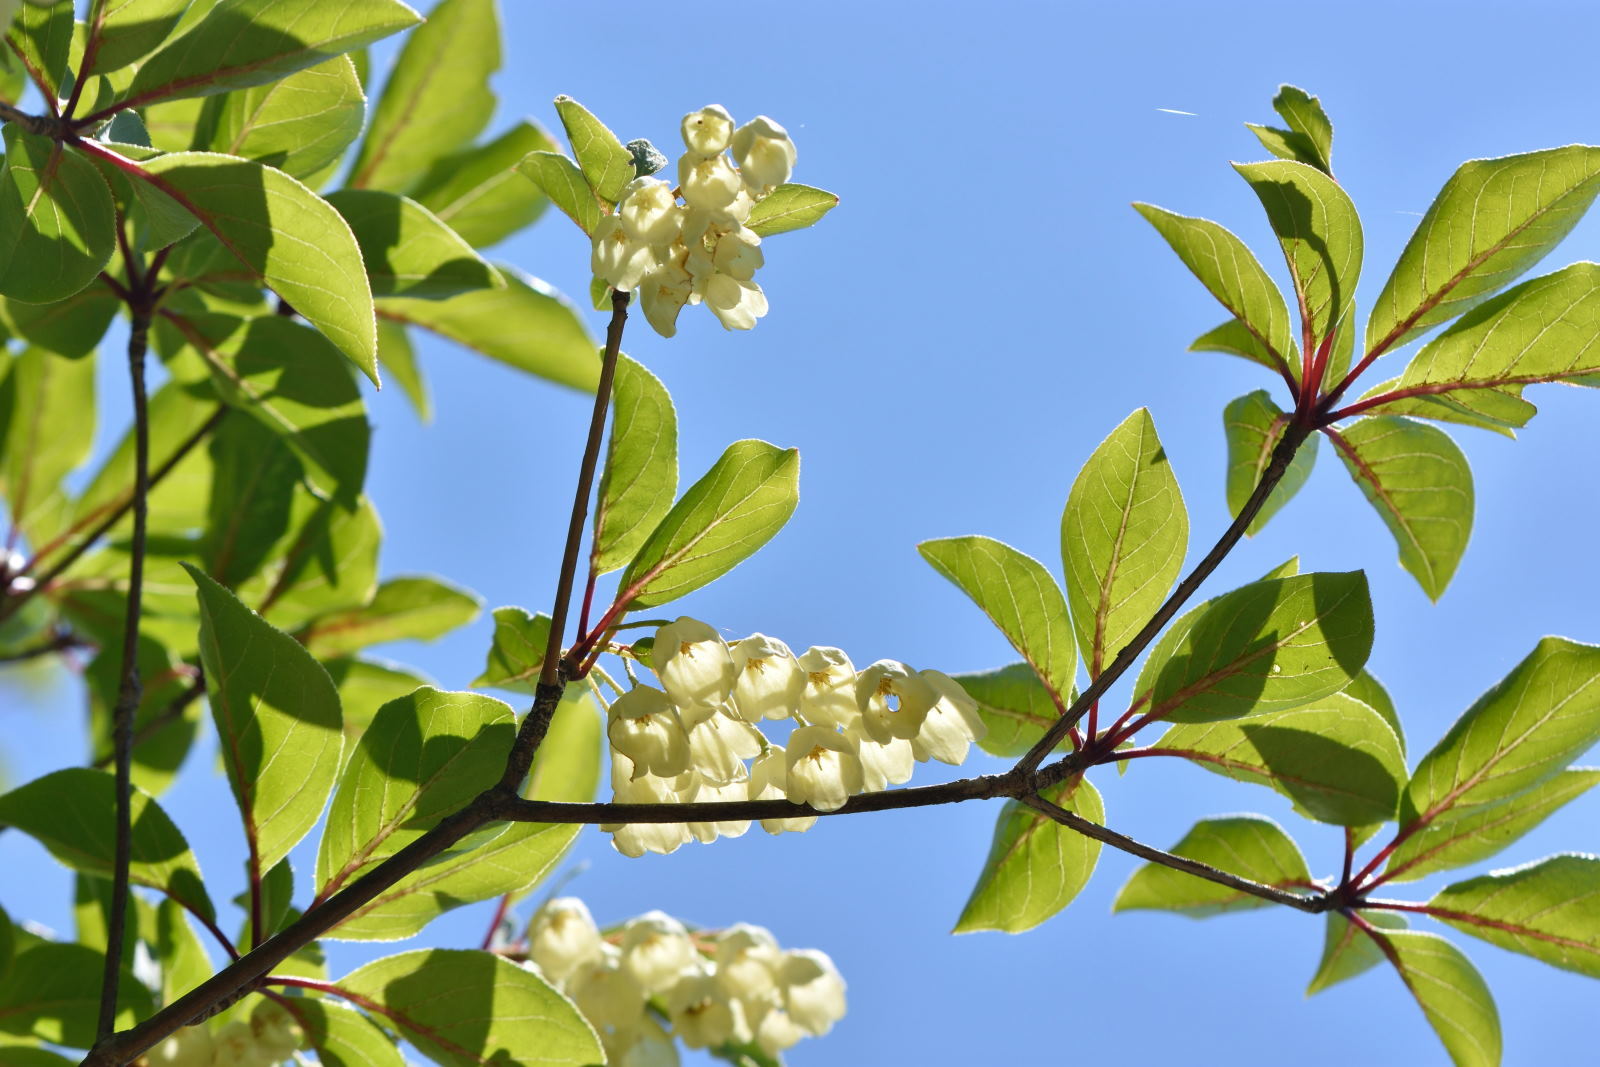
<point>1123,537</point>
<point>1036,866</point>
<point>70,327</point>
<point>254,476</point>
<point>790,206</point>
<point>424,756</point>
<point>463,1009</point>
<point>517,655</point>
<point>132,29</point>
<point>41,36</point>
<point>1320,232</point>
<point>71,812</point>
<point>564,185</point>
<point>1549,910</point>
<point>409,252</point>
<point>1347,952</point>
<point>300,124</point>
<point>1285,144</point>
<point>8,942</point>
<point>1234,338</point>
<point>365,686</point>
<point>526,325</point>
<point>46,430</point>
<point>607,166</point>
<point>1521,733</point>
<point>1439,846</point>
<point>1270,645</point>
<point>1233,275</point>
<point>1251,846</point>
<point>1420,484</point>
<point>52,992</point>
<point>1019,596</point>
<point>283,232</point>
<point>725,517</point>
<point>1492,221</point>
<point>240,43</point>
<point>277,714</point>
<point>641,471</point>
<point>1544,330</point>
<point>57,220</point>
<point>1014,705</point>
<point>164,738</point>
<point>1303,112</point>
<point>403,609</point>
<point>1367,689</point>
<point>292,380</point>
<point>437,98</point>
<point>1496,410</point>
<point>330,561</point>
<point>514,860</point>
<point>341,1036</point>
<point>398,359</point>
<point>1254,425</point>
<point>477,191</point>
<point>1451,993</point>
<point>1335,758</point>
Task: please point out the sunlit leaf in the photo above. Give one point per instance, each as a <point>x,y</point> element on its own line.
<point>640,477</point>
<point>1254,425</point>
<point>403,609</point>
<point>1251,846</point>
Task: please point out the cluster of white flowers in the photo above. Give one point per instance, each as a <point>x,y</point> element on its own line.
<point>653,980</point>
<point>856,731</point>
<point>270,1036</point>
<point>699,251</point>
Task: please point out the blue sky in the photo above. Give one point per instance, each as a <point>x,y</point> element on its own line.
<point>945,350</point>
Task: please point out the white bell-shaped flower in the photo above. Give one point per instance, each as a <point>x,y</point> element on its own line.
<point>646,1044</point>
<point>235,1044</point>
<point>952,723</point>
<point>737,789</point>
<point>664,291</point>
<point>192,1046</point>
<point>649,213</point>
<point>737,304</point>
<point>765,154</point>
<point>769,680</point>
<point>702,1015</point>
<point>747,959</point>
<point>655,949</point>
<point>278,1034</point>
<point>708,183</point>
<point>769,778</point>
<point>562,937</point>
<point>643,725</point>
<point>695,667</point>
<point>823,768</point>
<point>883,763</point>
<point>607,992</point>
<point>635,839</point>
<point>829,697</point>
<point>719,746</point>
<point>813,990</point>
<point>894,700</point>
<point>619,260</point>
<point>707,132</point>
<point>776,1031</point>
<point>738,254</point>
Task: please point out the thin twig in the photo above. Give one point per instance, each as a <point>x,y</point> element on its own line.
<point>129,692</point>
<point>62,641</point>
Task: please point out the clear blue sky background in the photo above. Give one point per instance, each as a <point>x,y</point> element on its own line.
<point>945,350</point>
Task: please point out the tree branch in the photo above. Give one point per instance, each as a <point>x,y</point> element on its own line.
<point>61,641</point>
<point>130,691</point>
<point>1292,438</point>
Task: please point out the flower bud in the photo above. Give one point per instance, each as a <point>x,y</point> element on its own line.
<point>823,768</point>
<point>768,682</point>
<point>765,154</point>
<point>706,132</point>
<point>563,937</point>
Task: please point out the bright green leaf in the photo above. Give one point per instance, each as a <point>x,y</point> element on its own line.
<point>477,191</point>
<point>1335,758</point>
<point>72,813</point>
<point>57,220</point>
<point>1522,732</point>
<point>1270,645</point>
<point>1014,705</point>
<point>1420,484</point>
<point>1549,910</point>
<point>330,562</point>
<point>398,359</point>
<point>300,124</point>
<point>1495,410</point>
<point>132,29</point>
<point>563,183</point>
<point>1367,689</point>
<point>1303,112</point>
<point>517,655</point>
<point>365,686</point>
<point>526,325</point>
<point>41,35</point>
<point>725,517</point>
<point>254,477</point>
<point>1251,846</point>
<point>46,430</point>
<point>641,470</point>
<point>1346,951</point>
<point>1493,220</point>
<point>1233,275</point>
<point>1234,338</point>
<point>52,992</point>
<point>1123,537</point>
<point>240,43</point>
<point>277,713</point>
<point>1451,993</point>
<point>1036,866</point>
<point>790,207</point>
<point>70,327</point>
<point>464,1009</point>
<point>436,99</point>
<point>607,166</point>
<point>403,609</point>
<point>1254,425</point>
<point>409,252</point>
<point>342,1036</point>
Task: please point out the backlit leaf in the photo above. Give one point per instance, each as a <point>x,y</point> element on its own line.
<point>1254,425</point>
<point>640,477</point>
<point>1251,846</point>
<point>57,220</point>
<point>403,609</point>
<point>1036,866</point>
